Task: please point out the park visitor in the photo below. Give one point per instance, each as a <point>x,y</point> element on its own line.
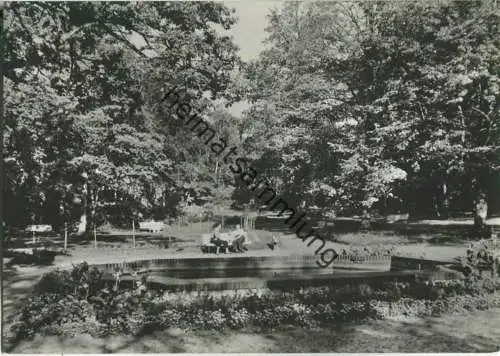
<point>216,240</point>
<point>240,239</point>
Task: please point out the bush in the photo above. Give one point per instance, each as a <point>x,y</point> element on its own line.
<point>51,309</point>
<point>44,257</point>
<point>214,319</point>
<point>314,296</point>
<point>488,285</point>
<point>325,313</point>
<point>58,282</point>
<point>266,319</point>
<point>426,308</point>
<point>77,298</point>
<point>355,311</point>
<point>81,281</point>
<point>38,257</point>
<point>70,329</point>
<point>137,312</point>
<point>170,317</point>
<point>114,307</point>
<point>255,303</point>
<point>238,318</point>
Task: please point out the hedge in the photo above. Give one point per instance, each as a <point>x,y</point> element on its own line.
<point>79,302</point>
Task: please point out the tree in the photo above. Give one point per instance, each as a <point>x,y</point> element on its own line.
<point>378,102</point>
<point>97,68</point>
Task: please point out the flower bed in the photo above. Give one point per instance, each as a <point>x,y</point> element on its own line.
<point>80,302</point>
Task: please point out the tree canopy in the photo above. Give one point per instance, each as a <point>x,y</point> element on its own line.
<point>354,106</point>
<point>381,106</point>
<point>83,131</point>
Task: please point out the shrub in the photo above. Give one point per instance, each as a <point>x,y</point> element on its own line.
<point>266,319</point>
<point>488,285</point>
<point>214,320</point>
<point>354,311</point>
<point>81,281</point>
<point>255,303</point>
<point>203,319</point>
<point>38,257</point>
<point>293,314</point>
<point>44,257</point>
<point>91,327</point>
<point>77,298</point>
<point>114,307</point>
<point>314,296</point>
<point>238,318</point>
<point>326,312</point>
<point>170,317</point>
<point>58,282</point>
<point>381,309</point>
<point>51,309</point>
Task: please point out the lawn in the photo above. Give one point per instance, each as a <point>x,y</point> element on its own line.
<point>116,245</point>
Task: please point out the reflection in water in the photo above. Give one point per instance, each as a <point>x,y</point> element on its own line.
<point>236,273</point>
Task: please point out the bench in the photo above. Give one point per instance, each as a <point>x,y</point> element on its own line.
<point>39,228</point>
<point>152,226</point>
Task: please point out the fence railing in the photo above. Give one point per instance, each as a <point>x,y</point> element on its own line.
<point>377,259</point>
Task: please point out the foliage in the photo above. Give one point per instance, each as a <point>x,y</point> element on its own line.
<point>81,282</point>
<point>47,309</point>
<point>379,106</point>
<point>83,81</point>
<point>382,107</point>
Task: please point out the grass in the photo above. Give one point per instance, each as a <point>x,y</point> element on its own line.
<point>116,246</point>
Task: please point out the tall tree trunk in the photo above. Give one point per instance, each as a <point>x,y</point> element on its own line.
<point>93,210</point>
<point>216,180</point>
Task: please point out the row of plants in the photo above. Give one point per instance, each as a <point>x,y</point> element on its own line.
<point>80,301</point>
<point>69,316</point>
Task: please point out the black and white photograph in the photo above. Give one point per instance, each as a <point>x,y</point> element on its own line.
<point>250,176</point>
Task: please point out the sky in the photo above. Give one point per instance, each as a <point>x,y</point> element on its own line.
<point>248,32</point>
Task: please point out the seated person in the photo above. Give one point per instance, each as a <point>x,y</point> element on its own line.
<point>238,231</point>
<point>216,240</point>
<point>238,242</point>
<point>216,230</point>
